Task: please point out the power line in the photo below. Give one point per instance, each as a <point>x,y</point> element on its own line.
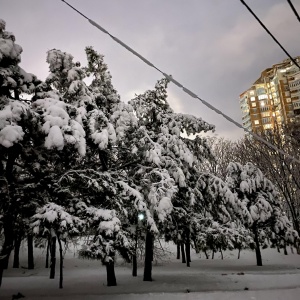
<point>76,10</point>
<point>187,91</point>
<point>294,9</point>
<point>269,32</point>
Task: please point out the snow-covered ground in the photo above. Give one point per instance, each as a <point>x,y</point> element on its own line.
<point>228,279</point>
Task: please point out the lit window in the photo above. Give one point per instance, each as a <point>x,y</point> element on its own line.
<point>288,100</point>
<point>251,92</point>
<point>265,114</point>
<point>262,103</point>
<point>253,104</point>
<point>252,98</point>
<point>261,97</point>
<point>268,126</point>
<point>256,122</point>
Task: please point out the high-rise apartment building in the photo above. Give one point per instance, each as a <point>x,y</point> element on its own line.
<point>273,98</point>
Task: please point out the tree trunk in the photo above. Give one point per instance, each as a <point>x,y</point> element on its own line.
<point>178,251</point>
<point>134,265</point>
<point>61,263</point>
<point>1,271</point>
<point>110,272</point>
<point>239,255</point>
<point>148,256</point>
<point>134,256</point>
<point>188,250</point>
<point>6,258</point>
<point>292,249</point>
<point>6,247</point>
<point>30,252</point>
<point>5,251</point>
<point>152,252</point>
<point>53,257</point>
<point>183,258</point>
<point>257,246</point>
<point>207,257</point>
<point>196,248</point>
<point>213,254</point>
<point>8,219</point>
<point>16,263</point>
<point>47,254</point>
<point>285,250</point>
<point>221,253</point>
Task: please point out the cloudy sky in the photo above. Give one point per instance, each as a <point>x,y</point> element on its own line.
<point>213,47</point>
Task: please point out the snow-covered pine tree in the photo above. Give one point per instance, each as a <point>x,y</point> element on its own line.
<point>13,128</point>
<point>105,94</point>
<point>217,210</point>
<point>261,209</point>
<point>100,180</point>
<point>161,141</point>
<point>53,222</point>
<point>55,142</point>
<point>102,197</point>
<point>159,147</point>
<point>107,237</point>
<point>241,237</point>
<point>39,139</point>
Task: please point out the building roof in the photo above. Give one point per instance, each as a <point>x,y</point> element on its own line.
<point>259,80</point>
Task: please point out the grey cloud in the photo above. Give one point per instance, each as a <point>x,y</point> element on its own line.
<point>215,48</point>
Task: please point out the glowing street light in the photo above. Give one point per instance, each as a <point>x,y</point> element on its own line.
<point>141,216</point>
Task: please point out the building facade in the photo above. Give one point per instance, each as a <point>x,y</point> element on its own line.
<point>274,98</point>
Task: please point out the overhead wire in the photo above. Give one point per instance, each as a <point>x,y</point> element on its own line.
<point>187,91</point>
<point>269,32</point>
<point>294,9</point>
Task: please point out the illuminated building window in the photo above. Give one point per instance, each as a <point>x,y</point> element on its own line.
<point>266,114</point>
<point>268,126</point>
<point>261,97</point>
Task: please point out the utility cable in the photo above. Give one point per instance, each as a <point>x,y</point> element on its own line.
<point>269,32</point>
<point>294,9</point>
<point>187,91</point>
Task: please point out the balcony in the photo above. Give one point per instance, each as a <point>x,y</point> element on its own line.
<point>296,105</point>
<point>295,93</point>
<point>246,119</point>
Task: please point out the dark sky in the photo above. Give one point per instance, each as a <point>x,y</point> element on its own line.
<point>213,47</point>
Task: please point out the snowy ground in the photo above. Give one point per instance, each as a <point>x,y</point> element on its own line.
<point>216,279</point>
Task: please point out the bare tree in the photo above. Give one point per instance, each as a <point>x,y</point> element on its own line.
<point>285,172</point>
<point>224,152</point>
